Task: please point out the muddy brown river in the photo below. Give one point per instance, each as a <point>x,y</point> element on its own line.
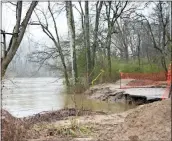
<point>27,96</point>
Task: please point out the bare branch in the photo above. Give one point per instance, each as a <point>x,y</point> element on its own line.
<point>82,11</point>
<point>4,41</point>
<point>116,16</point>
<point>44,16</point>
<point>3,32</point>
<point>44,27</point>
<point>18,16</point>
<point>55,27</point>
<point>12,3</point>
<point>150,29</point>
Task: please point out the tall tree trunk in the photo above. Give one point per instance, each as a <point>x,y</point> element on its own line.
<point>83,29</point>
<point>71,26</point>
<point>163,62</point>
<point>138,48</point>
<point>108,37</point>
<point>171,46</point>
<point>17,35</point>
<point>108,46</point>
<point>126,53</point>
<point>122,32</point>
<point>112,17</point>
<point>164,44</point>
<point>87,39</point>
<point>95,42</point>
<point>58,46</point>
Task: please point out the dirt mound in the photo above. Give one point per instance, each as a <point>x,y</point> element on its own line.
<point>12,128</point>
<point>17,128</point>
<point>152,121</point>
<point>147,122</point>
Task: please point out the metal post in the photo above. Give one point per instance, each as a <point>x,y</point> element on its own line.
<point>120,78</point>
<point>171,45</point>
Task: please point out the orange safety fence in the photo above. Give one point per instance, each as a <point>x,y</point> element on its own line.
<point>146,83</point>
<point>169,75</point>
<point>148,80</point>
<point>169,79</point>
<point>143,79</point>
<point>160,76</point>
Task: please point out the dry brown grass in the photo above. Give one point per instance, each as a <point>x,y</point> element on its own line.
<point>73,129</point>
<point>13,129</point>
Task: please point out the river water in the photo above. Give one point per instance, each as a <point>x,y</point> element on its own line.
<point>27,96</point>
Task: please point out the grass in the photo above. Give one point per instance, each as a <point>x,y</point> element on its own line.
<point>79,87</point>
<point>117,66</point>
<point>73,129</point>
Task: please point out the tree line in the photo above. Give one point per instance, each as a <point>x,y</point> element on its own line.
<point>109,32</point>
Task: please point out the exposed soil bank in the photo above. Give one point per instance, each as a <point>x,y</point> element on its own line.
<point>113,93</point>
<point>146,122</point>
<point>15,129</point>
<point>52,116</point>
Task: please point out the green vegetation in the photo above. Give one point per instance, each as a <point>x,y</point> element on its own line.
<point>73,129</point>
<point>97,76</point>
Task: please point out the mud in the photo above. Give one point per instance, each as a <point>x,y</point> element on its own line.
<point>146,122</point>
<point>15,129</point>
<point>51,116</point>
<point>111,95</point>
<point>137,96</point>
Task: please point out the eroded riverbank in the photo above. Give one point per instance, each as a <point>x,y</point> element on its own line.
<point>118,118</point>
<point>112,93</point>
<point>146,122</point>
<point>24,97</point>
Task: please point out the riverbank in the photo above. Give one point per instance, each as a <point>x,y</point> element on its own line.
<point>112,93</point>
<point>20,129</point>
<point>146,122</point>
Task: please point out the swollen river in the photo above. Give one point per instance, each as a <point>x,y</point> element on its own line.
<point>27,96</point>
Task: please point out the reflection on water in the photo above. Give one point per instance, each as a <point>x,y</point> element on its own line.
<point>80,101</point>
<point>28,96</point>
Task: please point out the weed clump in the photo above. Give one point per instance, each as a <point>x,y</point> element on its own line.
<point>72,129</point>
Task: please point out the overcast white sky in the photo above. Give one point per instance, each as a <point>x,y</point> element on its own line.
<point>34,33</point>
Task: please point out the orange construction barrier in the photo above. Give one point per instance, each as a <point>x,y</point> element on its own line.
<point>148,79</point>
<point>167,91</point>
<point>169,75</point>
<point>160,76</point>
<point>143,79</point>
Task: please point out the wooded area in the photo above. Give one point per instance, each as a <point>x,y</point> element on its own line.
<point>113,36</point>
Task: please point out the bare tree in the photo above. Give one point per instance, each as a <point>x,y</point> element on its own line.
<point>55,38</point>
<point>161,44</point>
<point>71,27</point>
<point>113,11</point>
<point>87,39</point>
<point>95,38</point>
<point>16,36</point>
<point>123,33</point>
<point>138,48</point>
